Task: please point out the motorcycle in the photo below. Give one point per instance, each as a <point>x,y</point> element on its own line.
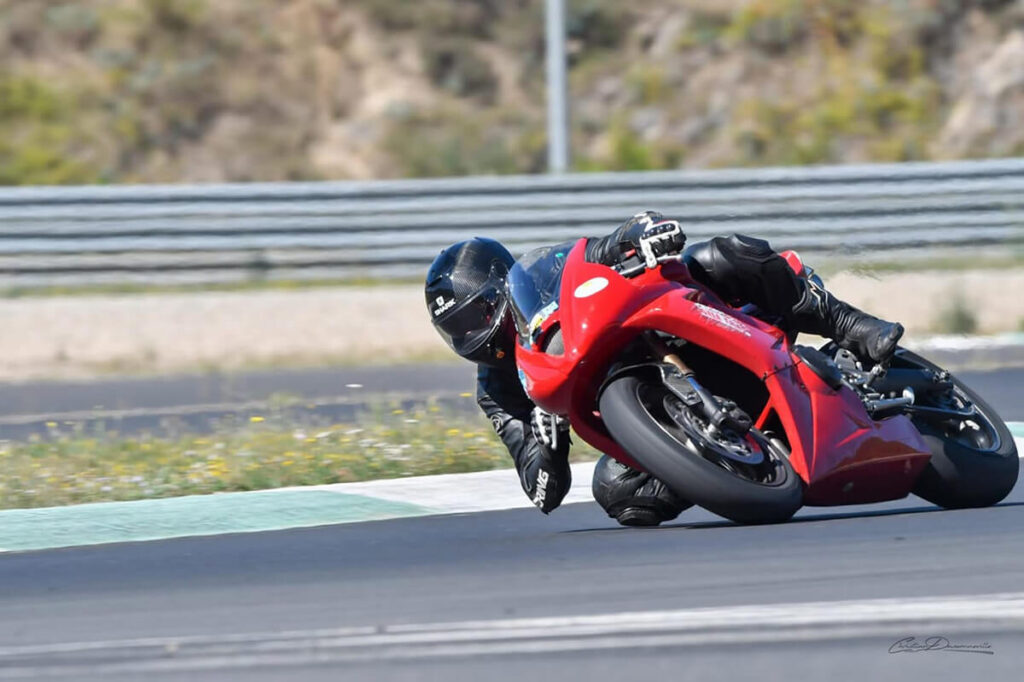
<point>724,407</point>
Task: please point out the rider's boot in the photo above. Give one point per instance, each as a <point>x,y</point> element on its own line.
<point>819,312</point>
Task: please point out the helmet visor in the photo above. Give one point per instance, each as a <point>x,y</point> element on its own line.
<point>469,325</point>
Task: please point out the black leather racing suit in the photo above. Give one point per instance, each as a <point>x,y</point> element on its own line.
<point>543,473</point>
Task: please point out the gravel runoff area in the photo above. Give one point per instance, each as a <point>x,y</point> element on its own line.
<point>84,336</point>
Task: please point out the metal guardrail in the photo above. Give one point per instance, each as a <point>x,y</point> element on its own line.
<point>336,230</point>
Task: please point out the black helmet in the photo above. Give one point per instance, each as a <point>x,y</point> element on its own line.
<point>466,298</point>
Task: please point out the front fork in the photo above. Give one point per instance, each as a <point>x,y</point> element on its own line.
<point>680,380</point>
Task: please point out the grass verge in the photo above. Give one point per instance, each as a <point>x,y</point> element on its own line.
<point>73,467</point>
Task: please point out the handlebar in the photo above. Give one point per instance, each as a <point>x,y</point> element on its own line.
<point>634,266</point>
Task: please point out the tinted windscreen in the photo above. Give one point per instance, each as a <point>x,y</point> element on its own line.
<point>533,285</point>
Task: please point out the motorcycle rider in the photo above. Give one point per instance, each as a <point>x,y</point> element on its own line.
<point>468,305</point>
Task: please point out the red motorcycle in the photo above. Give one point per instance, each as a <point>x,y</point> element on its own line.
<point>728,411</point>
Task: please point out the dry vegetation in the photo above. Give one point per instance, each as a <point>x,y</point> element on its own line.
<point>197,90</point>
<point>73,466</point>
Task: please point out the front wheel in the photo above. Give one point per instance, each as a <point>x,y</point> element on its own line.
<point>747,479</point>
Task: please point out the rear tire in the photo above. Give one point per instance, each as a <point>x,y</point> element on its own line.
<point>649,435</point>
<point>960,476</point>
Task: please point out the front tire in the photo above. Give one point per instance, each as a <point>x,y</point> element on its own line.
<point>635,413</point>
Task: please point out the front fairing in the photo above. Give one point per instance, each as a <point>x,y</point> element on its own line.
<point>593,304</point>
<point>600,311</point>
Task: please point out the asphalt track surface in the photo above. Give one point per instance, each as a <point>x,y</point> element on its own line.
<point>239,596</point>
<point>203,403</point>
<point>520,564</point>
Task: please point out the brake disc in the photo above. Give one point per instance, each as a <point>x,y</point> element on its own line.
<point>724,443</point>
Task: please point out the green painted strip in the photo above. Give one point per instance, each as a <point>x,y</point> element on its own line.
<point>1016,428</point>
<point>93,524</point>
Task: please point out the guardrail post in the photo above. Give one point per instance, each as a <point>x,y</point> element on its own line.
<point>558,106</point>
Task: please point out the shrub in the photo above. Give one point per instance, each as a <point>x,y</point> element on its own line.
<point>80,23</point>
<point>649,84</point>
<point>629,152</point>
<point>438,17</point>
<point>447,143</point>
<point>176,16</point>
<point>705,28</point>
<point>37,135</point>
<point>455,66</point>
<point>956,317</point>
<point>598,24</point>
<point>890,118</point>
<point>773,26</point>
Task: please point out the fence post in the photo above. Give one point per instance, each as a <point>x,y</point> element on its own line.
<point>558,105</point>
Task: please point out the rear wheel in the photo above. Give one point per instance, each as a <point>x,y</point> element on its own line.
<point>974,461</point>
<point>746,478</point>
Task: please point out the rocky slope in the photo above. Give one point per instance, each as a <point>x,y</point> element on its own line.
<point>198,90</point>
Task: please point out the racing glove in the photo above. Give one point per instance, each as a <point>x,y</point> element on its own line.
<point>550,429</point>
<point>648,234</point>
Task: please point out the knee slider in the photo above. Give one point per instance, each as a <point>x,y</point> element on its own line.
<point>614,484</point>
<point>625,493</point>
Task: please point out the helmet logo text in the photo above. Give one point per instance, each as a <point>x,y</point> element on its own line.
<point>443,306</point>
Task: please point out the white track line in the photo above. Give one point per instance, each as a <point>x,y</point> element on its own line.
<point>812,621</point>
<point>461,493</point>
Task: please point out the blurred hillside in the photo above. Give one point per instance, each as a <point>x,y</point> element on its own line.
<point>220,90</point>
